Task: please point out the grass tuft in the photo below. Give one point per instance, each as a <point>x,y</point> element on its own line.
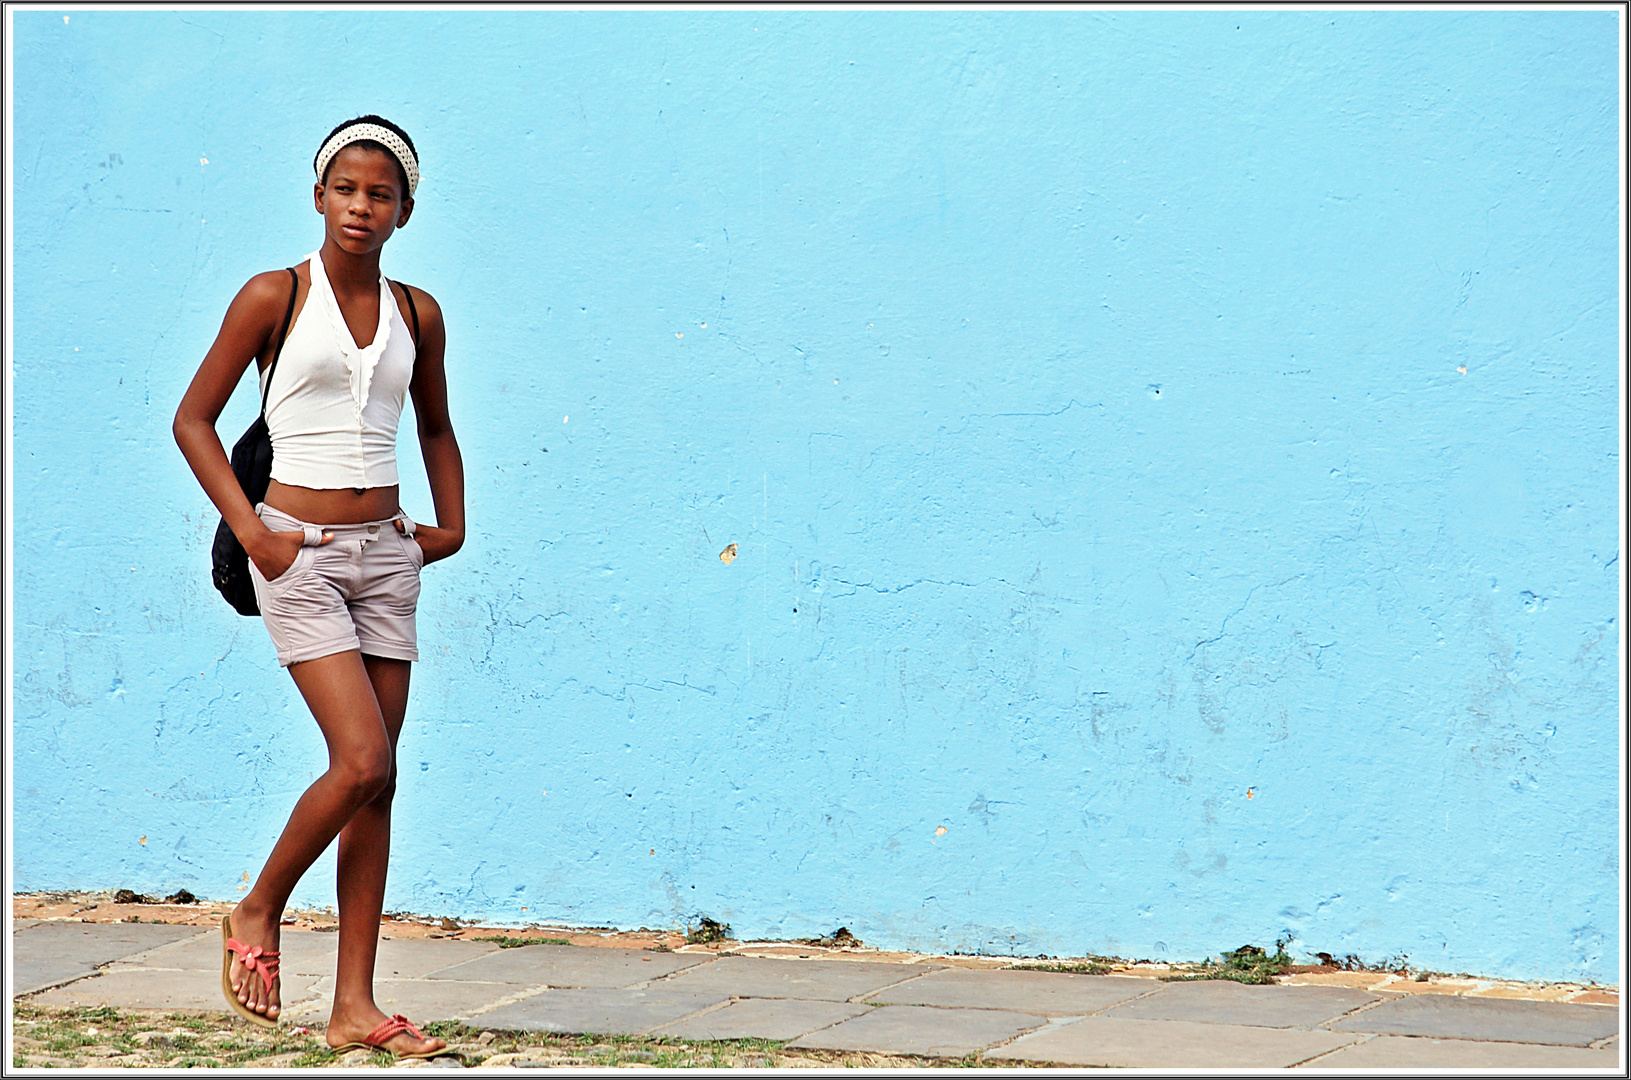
<point>707,930</point>
<point>1067,969</point>
<point>1247,964</point>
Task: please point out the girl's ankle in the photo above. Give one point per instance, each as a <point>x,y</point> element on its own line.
<point>250,911</point>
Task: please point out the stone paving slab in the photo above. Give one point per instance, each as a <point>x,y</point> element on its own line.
<point>570,966</point>
<point>301,952</point>
<point>762,977</point>
<point>305,952</point>
<point>916,1029</point>
<point>1397,1052</point>
<point>410,959</point>
<point>1496,1019</point>
<point>149,988</point>
<point>601,1011</point>
<point>48,953</point>
<point>1044,993</point>
<point>781,1019</point>
<point>423,1000</point>
<point>1218,1001</point>
<point>1169,1044</point>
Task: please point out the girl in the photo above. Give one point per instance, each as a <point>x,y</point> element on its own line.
<point>337,596</point>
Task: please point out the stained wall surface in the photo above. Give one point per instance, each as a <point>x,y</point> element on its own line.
<point>1172,460</point>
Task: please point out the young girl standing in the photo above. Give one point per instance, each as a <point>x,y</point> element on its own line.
<point>334,560</point>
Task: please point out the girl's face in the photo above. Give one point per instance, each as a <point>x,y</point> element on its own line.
<point>362,203</point>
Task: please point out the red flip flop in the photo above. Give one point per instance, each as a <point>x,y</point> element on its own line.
<point>388,1029</point>
<point>254,958</point>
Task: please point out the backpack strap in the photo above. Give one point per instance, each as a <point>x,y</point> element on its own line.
<point>413,313</point>
<point>283,334</point>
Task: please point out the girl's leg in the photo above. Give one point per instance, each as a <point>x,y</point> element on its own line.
<point>365,847</point>
<point>341,698</point>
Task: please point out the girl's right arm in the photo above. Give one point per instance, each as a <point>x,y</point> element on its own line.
<point>246,333</point>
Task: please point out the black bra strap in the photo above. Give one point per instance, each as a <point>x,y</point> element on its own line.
<point>413,312</point>
<point>283,334</point>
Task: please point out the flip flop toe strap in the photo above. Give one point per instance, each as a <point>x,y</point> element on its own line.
<point>256,959</point>
<point>388,1029</point>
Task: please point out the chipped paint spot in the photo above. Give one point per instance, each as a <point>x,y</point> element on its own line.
<point>728,555</point>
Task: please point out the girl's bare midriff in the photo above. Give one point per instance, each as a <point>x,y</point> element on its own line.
<point>333,506</point>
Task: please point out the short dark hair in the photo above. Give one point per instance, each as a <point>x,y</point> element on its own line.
<point>369,144</point>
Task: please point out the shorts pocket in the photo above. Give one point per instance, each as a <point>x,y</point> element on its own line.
<point>302,560</point>
<point>416,554</point>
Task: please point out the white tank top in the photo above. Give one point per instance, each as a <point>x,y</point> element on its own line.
<point>334,407</point>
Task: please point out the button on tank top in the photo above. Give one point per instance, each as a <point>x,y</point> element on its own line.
<point>334,406</point>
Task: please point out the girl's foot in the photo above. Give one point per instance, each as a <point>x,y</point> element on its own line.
<point>354,1025</point>
<point>256,928</point>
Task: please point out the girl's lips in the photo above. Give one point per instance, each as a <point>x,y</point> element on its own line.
<point>355,230</point>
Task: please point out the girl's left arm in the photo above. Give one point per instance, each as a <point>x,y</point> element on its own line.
<point>443,465</point>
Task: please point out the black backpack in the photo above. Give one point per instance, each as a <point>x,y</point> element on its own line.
<point>252,465</point>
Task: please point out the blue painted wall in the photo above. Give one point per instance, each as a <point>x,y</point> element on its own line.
<point>1174,454</point>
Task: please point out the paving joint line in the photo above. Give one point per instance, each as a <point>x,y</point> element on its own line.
<point>1049,1024</point>
<point>1128,1001</point>
<point>93,973</point>
<point>1355,1011</point>
<point>665,976</point>
<point>704,1011</point>
<point>861,998</point>
<point>1364,1037</point>
<point>511,999</point>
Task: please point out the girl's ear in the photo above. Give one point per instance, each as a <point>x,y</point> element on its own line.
<point>317,195</point>
<point>407,210</point>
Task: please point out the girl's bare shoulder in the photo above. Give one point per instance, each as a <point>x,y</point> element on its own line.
<point>430,312</point>
<point>269,292</point>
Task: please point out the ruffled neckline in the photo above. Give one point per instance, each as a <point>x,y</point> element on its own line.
<point>360,361</point>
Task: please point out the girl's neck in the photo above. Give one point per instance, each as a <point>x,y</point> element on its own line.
<point>349,273</point>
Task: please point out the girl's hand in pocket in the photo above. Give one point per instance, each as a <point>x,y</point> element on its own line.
<point>435,543</point>
<point>274,552</point>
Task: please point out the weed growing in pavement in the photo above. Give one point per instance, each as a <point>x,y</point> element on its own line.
<point>1067,969</point>
<point>838,939</point>
<point>77,1037</point>
<point>1247,964</point>
<point>707,930</point>
<point>1394,964</point>
<point>180,1040</point>
<point>313,1058</point>
<point>516,942</point>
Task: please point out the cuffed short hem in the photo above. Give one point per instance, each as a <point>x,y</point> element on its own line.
<point>390,650</point>
<point>317,651</point>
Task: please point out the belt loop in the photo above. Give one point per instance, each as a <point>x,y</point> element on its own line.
<point>407,523</point>
<point>314,536</point>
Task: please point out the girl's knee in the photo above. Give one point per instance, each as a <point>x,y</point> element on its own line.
<point>368,774</point>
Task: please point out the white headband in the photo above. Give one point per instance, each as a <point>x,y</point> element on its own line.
<point>387,138</point>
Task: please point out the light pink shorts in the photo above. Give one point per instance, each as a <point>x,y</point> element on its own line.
<point>358,591</point>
